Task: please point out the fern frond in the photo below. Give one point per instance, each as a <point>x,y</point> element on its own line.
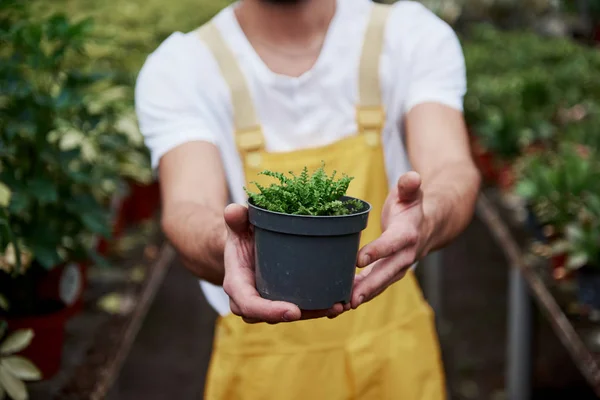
<point>305,194</point>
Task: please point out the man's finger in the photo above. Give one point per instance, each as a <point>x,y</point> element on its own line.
<point>236,218</point>
<point>390,242</point>
<point>409,187</point>
<point>382,275</point>
<point>333,312</point>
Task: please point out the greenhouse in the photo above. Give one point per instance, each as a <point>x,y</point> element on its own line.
<point>296,199</point>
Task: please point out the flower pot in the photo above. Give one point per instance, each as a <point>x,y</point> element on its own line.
<point>485,161</point>
<point>588,286</point>
<point>534,226</point>
<point>309,261</point>
<point>45,349</point>
<point>142,203</point>
<point>506,178</point>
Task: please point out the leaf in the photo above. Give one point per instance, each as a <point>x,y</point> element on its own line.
<point>3,303</point>
<point>14,387</point>
<point>577,260</point>
<point>526,189</point>
<point>5,195</point>
<point>96,223</point>
<point>560,247</point>
<point>116,303</point>
<point>573,233</point>
<point>44,190</point>
<point>16,341</point>
<point>21,368</point>
<point>46,254</point>
<point>19,202</point>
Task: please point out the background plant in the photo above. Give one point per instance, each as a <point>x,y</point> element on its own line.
<point>316,194</point>
<point>526,89</point>
<point>15,369</point>
<point>557,185</point>
<point>65,145</point>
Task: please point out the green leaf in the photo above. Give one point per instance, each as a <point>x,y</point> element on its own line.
<point>526,189</point>
<point>44,190</point>
<point>46,254</point>
<point>16,341</point>
<point>96,223</point>
<point>577,260</point>
<point>19,202</point>
<point>14,387</point>
<point>560,247</point>
<point>5,195</point>
<point>4,305</point>
<point>21,368</point>
<point>573,233</point>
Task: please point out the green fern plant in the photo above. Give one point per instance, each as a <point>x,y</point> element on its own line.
<point>316,194</point>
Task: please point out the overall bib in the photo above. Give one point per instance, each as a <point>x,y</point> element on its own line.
<point>387,348</point>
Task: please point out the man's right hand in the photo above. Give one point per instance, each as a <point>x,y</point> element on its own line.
<point>239,282</point>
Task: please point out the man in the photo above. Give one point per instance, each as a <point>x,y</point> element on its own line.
<point>374,91</point>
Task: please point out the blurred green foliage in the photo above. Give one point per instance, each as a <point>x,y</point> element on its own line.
<point>525,88</point>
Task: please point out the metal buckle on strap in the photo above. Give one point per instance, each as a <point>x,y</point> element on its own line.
<point>370,122</point>
<point>370,118</point>
<point>250,139</point>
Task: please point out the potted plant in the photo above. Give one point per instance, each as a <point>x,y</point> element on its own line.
<point>14,366</point>
<point>59,169</point>
<point>556,186</point>
<point>307,235</point>
<point>581,246</point>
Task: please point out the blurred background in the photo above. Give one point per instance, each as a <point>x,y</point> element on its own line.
<point>94,304</point>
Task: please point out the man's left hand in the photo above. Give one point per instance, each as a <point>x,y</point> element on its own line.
<point>405,233</point>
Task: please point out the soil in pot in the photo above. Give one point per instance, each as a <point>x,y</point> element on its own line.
<point>306,260</point>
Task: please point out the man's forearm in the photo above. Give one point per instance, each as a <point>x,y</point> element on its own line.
<point>449,197</point>
<point>198,233</point>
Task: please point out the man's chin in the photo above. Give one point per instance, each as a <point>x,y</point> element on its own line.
<point>283,2</point>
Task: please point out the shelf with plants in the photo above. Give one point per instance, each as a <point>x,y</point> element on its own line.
<point>533,110</point>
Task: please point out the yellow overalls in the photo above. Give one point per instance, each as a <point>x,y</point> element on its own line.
<point>387,348</point>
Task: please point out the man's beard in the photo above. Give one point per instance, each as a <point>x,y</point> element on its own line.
<point>283,2</point>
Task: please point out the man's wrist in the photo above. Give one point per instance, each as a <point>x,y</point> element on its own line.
<point>432,226</point>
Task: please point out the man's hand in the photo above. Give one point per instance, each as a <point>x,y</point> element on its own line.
<point>239,282</point>
<point>402,242</point>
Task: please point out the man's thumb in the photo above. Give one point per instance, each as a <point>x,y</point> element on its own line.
<point>236,218</point>
<point>409,187</point>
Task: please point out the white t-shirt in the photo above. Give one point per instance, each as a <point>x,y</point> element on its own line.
<point>181,95</point>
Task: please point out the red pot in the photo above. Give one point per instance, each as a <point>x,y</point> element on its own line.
<point>142,203</point>
<point>45,349</point>
<point>118,227</point>
<point>506,178</point>
<point>484,160</point>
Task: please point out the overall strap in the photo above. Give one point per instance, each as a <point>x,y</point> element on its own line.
<point>248,132</point>
<point>370,115</point>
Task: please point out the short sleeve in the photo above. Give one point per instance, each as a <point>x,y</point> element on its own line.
<point>176,96</point>
<point>433,51</point>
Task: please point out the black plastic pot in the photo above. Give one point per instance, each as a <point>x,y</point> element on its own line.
<point>588,282</point>
<point>309,261</point>
<point>534,226</point>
